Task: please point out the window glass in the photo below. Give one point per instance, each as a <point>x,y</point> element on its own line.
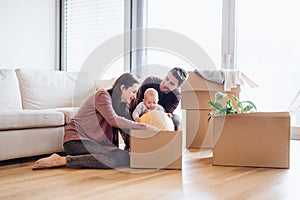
<point>199,20</point>
<point>268,46</point>
<point>87,24</point>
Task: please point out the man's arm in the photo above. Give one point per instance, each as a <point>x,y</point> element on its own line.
<point>172,102</point>
<point>170,107</point>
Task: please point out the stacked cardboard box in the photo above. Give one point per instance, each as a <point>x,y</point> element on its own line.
<point>253,139</point>
<point>196,92</point>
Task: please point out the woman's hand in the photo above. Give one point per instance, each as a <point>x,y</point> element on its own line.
<point>151,128</point>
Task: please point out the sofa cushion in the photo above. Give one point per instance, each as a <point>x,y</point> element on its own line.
<point>30,142</point>
<point>20,119</point>
<point>69,112</point>
<point>41,89</point>
<point>10,91</point>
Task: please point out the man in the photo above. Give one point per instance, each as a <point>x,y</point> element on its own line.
<point>168,91</point>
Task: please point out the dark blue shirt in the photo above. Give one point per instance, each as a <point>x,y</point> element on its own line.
<point>169,101</point>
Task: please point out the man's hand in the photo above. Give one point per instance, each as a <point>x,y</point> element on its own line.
<point>169,115</point>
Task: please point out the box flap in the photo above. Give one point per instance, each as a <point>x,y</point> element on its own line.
<point>197,82</point>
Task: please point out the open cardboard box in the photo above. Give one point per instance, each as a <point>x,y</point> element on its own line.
<point>254,139</point>
<point>196,92</point>
<point>156,150</point>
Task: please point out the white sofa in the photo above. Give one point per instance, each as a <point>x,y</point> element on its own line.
<point>35,106</point>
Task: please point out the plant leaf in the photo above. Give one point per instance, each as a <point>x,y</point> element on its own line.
<point>235,98</point>
<point>215,105</point>
<point>220,95</point>
<point>242,106</point>
<point>250,107</point>
<point>229,104</point>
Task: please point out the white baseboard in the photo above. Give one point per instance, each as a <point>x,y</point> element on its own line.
<point>295,132</point>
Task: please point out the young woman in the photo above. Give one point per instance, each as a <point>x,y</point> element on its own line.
<point>90,137</point>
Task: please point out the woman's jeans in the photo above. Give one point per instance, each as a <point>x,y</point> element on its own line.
<point>89,154</point>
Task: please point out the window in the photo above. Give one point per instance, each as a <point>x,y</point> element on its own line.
<point>86,25</point>
<point>268,47</point>
<point>199,20</point>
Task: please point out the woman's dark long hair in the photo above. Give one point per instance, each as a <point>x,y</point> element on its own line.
<point>126,79</point>
<point>121,108</point>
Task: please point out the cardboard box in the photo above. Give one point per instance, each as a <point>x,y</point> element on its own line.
<point>156,150</point>
<point>199,129</point>
<point>253,139</point>
<point>197,82</point>
<point>196,92</point>
<point>196,99</point>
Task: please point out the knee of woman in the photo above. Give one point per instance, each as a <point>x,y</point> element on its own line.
<point>122,157</point>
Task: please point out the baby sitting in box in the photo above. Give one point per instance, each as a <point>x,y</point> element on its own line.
<point>150,112</point>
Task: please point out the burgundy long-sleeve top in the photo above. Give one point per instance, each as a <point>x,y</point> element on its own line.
<point>95,120</point>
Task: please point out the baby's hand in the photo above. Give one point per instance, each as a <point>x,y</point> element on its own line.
<point>144,112</point>
<point>137,119</point>
<point>169,115</point>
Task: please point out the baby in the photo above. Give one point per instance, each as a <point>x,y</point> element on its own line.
<point>149,103</point>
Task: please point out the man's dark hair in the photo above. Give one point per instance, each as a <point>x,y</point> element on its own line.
<point>180,74</point>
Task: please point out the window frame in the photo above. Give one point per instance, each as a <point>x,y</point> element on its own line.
<point>228,54</point>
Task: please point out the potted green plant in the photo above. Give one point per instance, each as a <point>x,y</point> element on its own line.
<point>232,105</point>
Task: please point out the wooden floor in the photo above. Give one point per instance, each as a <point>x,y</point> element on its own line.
<point>197,180</point>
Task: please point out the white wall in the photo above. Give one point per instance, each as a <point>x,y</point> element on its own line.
<point>27,34</point>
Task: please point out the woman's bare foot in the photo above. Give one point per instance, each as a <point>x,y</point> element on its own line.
<point>54,160</point>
